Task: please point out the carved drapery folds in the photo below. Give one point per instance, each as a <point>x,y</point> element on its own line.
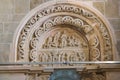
<point>64,32</point>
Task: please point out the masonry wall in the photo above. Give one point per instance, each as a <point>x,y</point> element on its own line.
<point>12,12</point>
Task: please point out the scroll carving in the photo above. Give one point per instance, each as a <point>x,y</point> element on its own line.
<point>43,77</point>
<point>60,39</point>
<point>95,51</point>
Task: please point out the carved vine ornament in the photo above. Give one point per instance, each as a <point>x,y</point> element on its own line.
<point>69,33</point>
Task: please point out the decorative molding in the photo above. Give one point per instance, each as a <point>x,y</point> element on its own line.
<point>54,29</point>
<point>93,76</point>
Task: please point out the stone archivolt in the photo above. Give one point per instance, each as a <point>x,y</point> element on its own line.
<point>64,32</point>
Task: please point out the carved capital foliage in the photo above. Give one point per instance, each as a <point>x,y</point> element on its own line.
<point>37,76</point>
<point>67,74</point>
<point>64,32</point>
<point>93,76</point>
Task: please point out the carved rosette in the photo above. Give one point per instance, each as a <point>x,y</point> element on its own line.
<point>64,32</point>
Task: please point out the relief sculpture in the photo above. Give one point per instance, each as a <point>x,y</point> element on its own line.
<point>66,38</point>
<point>62,40</point>
<point>75,17</point>
<point>63,32</point>
<point>63,56</point>
<point>62,46</point>
<point>93,76</point>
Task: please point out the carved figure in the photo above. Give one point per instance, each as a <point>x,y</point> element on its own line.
<point>20,49</point>
<point>56,39</point>
<point>48,42</point>
<point>71,41</point>
<point>82,56</point>
<point>64,39</point>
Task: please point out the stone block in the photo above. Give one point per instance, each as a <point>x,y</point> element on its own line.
<point>3,18</point>
<point>112,8</point>
<point>6,6</point>
<point>15,17</point>
<point>119,8</point>
<point>47,0</point>
<point>4,52</point>
<point>118,47</point>
<point>34,3</point>
<point>11,18</point>
<point>84,0</point>
<point>6,38</point>
<point>100,6</point>
<point>22,6</point>
<point>100,0</point>
<point>10,27</point>
<point>12,76</point>
<point>1,27</point>
<point>117,34</point>
<point>115,23</point>
<point>89,3</point>
<point>113,76</point>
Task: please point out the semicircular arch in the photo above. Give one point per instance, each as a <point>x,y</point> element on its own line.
<point>80,28</point>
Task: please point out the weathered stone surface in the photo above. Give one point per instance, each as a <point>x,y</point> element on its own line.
<point>90,3</point>
<point>48,0</point>
<point>10,27</point>
<point>6,38</point>
<point>119,7</point>
<point>100,6</point>
<point>15,17</point>
<point>4,52</point>
<point>115,23</point>
<point>1,27</point>
<point>100,0</point>
<point>34,3</point>
<point>113,75</point>
<point>63,38</point>
<point>111,9</point>
<point>117,33</point>
<point>12,13</point>
<point>6,6</point>
<point>11,17</point>
<point>22,6</point>
<point>3,18</point>
<point>118,47</point>
<point>12,76</point>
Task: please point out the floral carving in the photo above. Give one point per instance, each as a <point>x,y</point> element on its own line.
<point>85,27</point>
<point>37,77</point>
<point>93,76</point>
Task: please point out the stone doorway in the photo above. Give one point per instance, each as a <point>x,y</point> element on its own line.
<point>60,32</point>
<point>65,74</point>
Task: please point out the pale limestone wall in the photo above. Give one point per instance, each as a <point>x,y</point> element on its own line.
<point>12,12</point>
<point>113,76</point>
<point>12,76</point>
